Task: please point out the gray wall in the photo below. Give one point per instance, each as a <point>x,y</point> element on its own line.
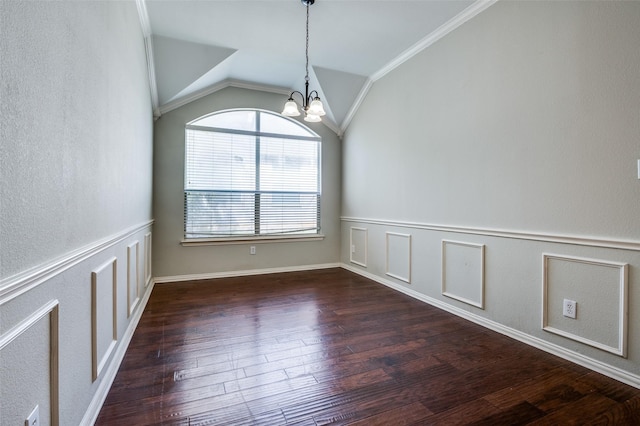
<point>171,260</point>
<point>75,192</point>
<point>518,131</point>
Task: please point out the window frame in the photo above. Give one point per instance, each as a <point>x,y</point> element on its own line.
<point>257,134</point>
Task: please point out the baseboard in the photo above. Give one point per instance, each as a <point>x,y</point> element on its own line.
<point>91,415</point>
<point>577,358</point>
<point>110,373</point>
<point>248,272</point>
<point>101,393</point>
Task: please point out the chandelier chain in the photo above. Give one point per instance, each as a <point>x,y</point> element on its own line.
<point>311,104</point>
<point>306,52</point>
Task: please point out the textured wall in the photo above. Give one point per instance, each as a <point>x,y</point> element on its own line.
<point>519,128</point>
<point>75,125</point>
<point>171,259</point>
<point>75,185</point>
<point>525,118</point>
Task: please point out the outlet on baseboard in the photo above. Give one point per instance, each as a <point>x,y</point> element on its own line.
<point>569,308</point>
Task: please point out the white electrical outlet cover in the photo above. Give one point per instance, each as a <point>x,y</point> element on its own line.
<point>34,417</point>
<point>569,308</point>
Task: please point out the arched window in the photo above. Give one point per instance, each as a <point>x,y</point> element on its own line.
<point>250,173</point>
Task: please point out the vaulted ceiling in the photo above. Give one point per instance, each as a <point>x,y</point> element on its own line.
<point>196,47</point>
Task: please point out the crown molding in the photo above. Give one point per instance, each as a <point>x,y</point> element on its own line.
<point>332,126</point>
<point>470,12</point>
<point>467,14</point>
<point>144,18</point>
<point>148,48</point>
<point>356,105</point>
<point>175,104</point>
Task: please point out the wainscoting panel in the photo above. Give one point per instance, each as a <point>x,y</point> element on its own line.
<point>147,259</point>
<point>600,274</point>
<point>133,276</point>
<point>89,288</point>
<point>33,346</point>
<point>104,316</point>
<point>358,244</point>
<point>599,288</point>
<point>463,272</point>
<point>399,256</point>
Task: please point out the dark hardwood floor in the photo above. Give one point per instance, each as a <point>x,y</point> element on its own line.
<point>330,347</point>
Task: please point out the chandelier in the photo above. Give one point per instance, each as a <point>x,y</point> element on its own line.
<point>311,103</point>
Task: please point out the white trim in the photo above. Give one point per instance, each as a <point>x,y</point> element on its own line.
<point>93,410</point>
<point>26,324</point>
<point>331,125</point>
<point>147,258</point>
<point>351,246</point>
<point>251,240</point>
<point>406,279</point>
<point>356,105</point>
<point>531,236</point>
<point>621,349</point>
<point>50,309</point>
<point>470,12</point>
<point>228,274</point>
<point>133,299</point>
<point>18,284</point>
<point>476,303</point>
<point>175,104</point>
<point>97,363</point>
<point>193,125</point>
<point>145,24</point>
<point>148,48</point>
<point>577,358</point>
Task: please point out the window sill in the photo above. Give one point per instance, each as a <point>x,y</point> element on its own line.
<point>250,240</point>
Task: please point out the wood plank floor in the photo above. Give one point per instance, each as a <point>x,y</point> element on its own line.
<point>331,347</point>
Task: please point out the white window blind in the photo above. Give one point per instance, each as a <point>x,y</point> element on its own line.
<point>247,179</point>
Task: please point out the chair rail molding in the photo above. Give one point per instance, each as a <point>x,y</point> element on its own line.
<point>579,240</point>
<point>13,286</point>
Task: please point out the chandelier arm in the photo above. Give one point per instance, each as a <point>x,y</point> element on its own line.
<point>312,112</point>
<point>295,91</point>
